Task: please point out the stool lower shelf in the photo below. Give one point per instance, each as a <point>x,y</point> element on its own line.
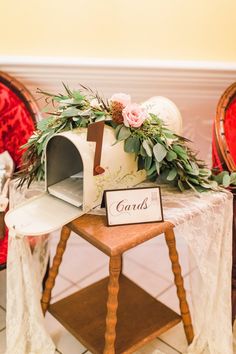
<point>140,317</point>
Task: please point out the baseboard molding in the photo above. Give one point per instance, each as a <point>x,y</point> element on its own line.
<point>194,86</point>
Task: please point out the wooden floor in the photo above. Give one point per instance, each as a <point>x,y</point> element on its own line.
<point>83,314</point>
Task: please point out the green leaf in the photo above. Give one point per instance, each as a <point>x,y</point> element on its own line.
<point>226,181</point>
<point>171,155</point>
<point>83,123</point>
<point>200,189</point>
<point>78,96</point>
<point>233,178</point>
<point>147,148</point>
<point>143,151</point>
<point>214,184</point>
<point>219,178</point>
<point>42,138</point>
<point>140,163</point>
<point>204,172</point>
<point>191,186</point>
<point>155,119</point>
<point>169,135</point>
<point>117,130</point>
<point>44,123</point>
<point>100,118</point>
<point>158,167</point>
<point>65,101</point>
<point>193,180</point>
<point>99,113</point>
<point>132,144</point>
<point>205,184</point>
<point>124,133</point>
<point>180,151</point>
<point>193,169</point>
<point>148,162</point>
<point>70,112</point>
<point>181,186</point>
<point>172,174</point>
<point>151,170</point>
<point>159,152</point>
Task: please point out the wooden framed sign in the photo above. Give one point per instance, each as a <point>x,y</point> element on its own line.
<point>133,206</point>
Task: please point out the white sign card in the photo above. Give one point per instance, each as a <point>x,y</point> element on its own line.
<point>133,206</point>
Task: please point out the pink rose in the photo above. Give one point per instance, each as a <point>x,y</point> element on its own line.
<point>134,115</point>
<point>121,98</point>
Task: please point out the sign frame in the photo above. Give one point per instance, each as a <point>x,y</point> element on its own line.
<point>141,190</point>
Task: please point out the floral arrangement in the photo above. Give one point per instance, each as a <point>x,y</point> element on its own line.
<point>159,151</point>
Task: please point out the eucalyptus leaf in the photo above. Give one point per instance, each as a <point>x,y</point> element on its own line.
<point>158,167</point>
<point>172,174</point>
<point>204,172</point>
<point>171,155</point>
<point>191,186</point>
<point>195,169</point>
<point>219,178</point>
<point>117,130</point>
<point>44,123</point>
<point>233,178</point>
<point>42,138</point>
<point>170,135</point>
<point>226,181</point>
<point>132,144</point>
<point>66,101</point>
<point>99,113</point>
<point>148,162</point>
<point>143,151</point>
<point>147,148</point>
<point>180,151</point>
<point>213,184</point>
<point>124,133</point>
<point>206,185</point>
<point>140,163</point>
<point>159,152</point>
<point>193,180</point>
<point>151,170</point>
<point>70,112</point>
<point>100,119</point>
<point>78,96</point>
<point>181,186</point>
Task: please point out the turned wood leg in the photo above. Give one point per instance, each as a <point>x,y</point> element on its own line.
<point>112,304</point>
<point>184,308</point>
<point>46,297</point>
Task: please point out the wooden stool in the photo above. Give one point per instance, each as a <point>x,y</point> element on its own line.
<point>114,315</point>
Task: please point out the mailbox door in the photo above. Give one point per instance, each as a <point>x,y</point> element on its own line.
<point>41,215</point>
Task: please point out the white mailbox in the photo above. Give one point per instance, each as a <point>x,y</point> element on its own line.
<point>71,186</point>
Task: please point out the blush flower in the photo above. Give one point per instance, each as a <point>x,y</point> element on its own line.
<point>121,98</point>
<point>134,115</point>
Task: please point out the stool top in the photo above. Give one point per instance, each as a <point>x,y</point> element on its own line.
<point>115,240</point>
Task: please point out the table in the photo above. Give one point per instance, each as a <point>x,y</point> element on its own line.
<point>203,221</point>
<point>128,317</point>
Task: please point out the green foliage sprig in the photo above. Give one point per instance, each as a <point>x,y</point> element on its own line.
<point>159,151</point>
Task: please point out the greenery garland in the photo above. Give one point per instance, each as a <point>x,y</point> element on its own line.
<point>159,151</point>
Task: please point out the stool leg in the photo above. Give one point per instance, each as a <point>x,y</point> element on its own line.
<point>184,308</point>
<point>112,304</point>
<point>50,282</point>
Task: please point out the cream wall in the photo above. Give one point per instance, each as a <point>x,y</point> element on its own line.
<point>151,29</point>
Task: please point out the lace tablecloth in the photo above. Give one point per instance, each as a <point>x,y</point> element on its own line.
<point>204,221</point>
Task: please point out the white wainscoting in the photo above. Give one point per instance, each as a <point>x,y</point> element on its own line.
<point>194,86</point>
